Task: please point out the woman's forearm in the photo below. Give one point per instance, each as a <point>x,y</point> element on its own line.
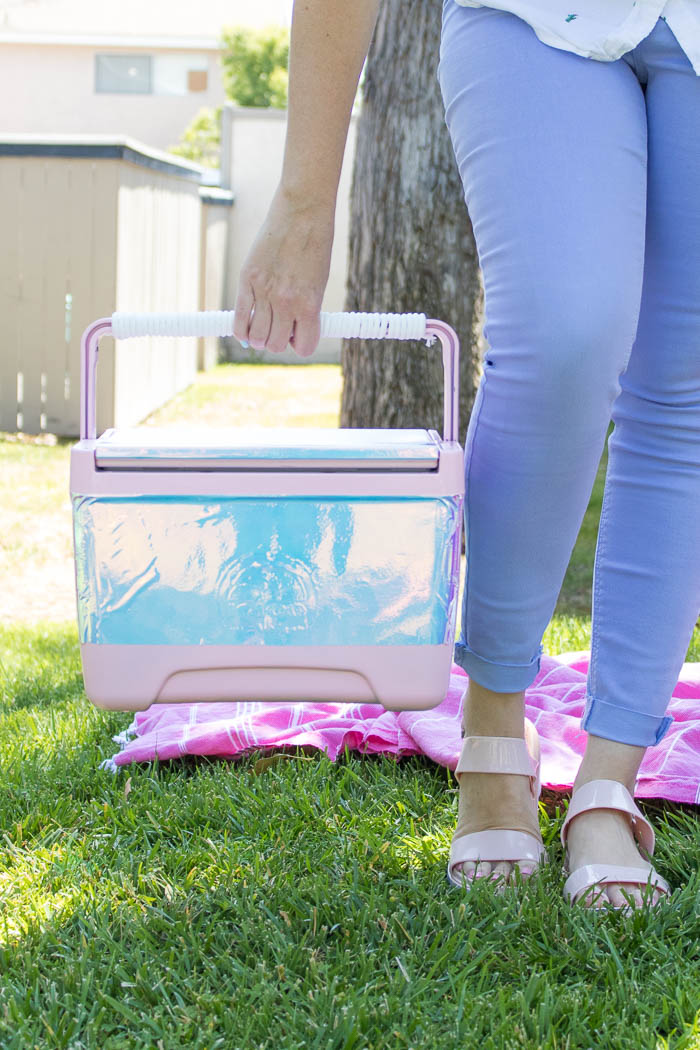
<point>284,276</point>
<point>329,41</point>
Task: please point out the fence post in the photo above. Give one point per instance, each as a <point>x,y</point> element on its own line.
<point>226,147</point>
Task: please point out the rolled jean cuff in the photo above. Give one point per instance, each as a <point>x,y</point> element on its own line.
<point>622,723</point>
<point>499,677</point>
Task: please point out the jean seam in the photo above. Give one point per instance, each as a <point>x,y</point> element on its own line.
<point>662,722</point>
<point>608,491</point>
<point>597,590</point>
<point>501,663</point>
<point>664,726</point>
<point>467,504</point>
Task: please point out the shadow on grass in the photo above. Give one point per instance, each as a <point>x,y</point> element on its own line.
<point>39,666</point>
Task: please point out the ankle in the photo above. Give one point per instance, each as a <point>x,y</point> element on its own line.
<point>487,713</point>
<point>609,760</point>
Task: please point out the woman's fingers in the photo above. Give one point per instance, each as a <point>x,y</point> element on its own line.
<point>307,332</point>
<point>284,310</point>
<point>276,325</point>
<point>259,330</point>
<point>242,309</point>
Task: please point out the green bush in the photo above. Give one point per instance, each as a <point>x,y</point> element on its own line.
<point>201,139</point>
<point>254,64</point>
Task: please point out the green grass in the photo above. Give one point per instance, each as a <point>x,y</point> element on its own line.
<point>270,395</point>
<point>205,905</point>
<point>35,520</point>
<point>199,904</point>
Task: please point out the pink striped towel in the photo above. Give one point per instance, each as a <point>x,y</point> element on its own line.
<point>554,702</point>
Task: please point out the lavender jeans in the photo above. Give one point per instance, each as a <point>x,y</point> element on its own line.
<point>582,182</point>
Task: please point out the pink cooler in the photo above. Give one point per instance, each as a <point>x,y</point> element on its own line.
<point>267,564</point>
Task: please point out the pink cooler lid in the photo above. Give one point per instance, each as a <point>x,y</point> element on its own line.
<point>267,448</point>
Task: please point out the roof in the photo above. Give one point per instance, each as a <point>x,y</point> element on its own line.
<point>105,40</point>
<point>168,23</point>
<point>123,147</point>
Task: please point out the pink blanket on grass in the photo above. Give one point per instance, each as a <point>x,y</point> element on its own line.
<point>554,702</point>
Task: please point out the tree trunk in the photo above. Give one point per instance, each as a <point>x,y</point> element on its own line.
<point>411,245</point>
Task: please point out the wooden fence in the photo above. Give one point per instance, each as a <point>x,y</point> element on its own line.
<point>93,224</point>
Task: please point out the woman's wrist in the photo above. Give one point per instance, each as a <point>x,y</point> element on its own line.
<point>306,199</point>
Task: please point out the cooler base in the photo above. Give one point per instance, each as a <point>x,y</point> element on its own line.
<point>400,677</point>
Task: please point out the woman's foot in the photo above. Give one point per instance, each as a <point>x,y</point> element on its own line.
<point>488,801</point>
<point>604,836</point>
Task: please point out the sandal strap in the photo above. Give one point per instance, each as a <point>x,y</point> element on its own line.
<point>581,880</point>
<point>609,794</point>
<point>495,754</point>
<point>495,845</point>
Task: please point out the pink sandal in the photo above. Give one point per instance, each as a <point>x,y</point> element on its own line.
<point>497,754</point>
<point>609,794</point>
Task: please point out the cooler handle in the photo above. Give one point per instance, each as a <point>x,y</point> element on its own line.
<point>204,323</point>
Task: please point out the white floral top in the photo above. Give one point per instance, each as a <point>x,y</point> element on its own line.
<point>605,29</point>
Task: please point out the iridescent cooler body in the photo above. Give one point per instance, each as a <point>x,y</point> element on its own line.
<point>266,564</point>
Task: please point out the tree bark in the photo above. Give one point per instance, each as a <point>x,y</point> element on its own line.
<point>411,245</point>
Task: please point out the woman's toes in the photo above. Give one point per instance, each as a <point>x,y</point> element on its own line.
<point>650,896</point>
<point>502,872</point>
<point>525,868</point>
<point>464,870</point>
<point>595,898</point>
<point>623,895</point>
<point>615,896</point>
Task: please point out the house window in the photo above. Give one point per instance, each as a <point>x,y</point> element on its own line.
<point>172,73</point>
<point>123,74</point>
<point>151,74</point>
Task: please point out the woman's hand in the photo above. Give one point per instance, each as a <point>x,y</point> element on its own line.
<point>284,276</point>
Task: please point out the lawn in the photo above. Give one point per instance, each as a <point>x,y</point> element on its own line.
<point>214,905</point>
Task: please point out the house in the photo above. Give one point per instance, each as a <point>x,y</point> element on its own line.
<point>141,68</point>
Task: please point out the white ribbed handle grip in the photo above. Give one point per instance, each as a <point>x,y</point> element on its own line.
<point>220,323</point>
